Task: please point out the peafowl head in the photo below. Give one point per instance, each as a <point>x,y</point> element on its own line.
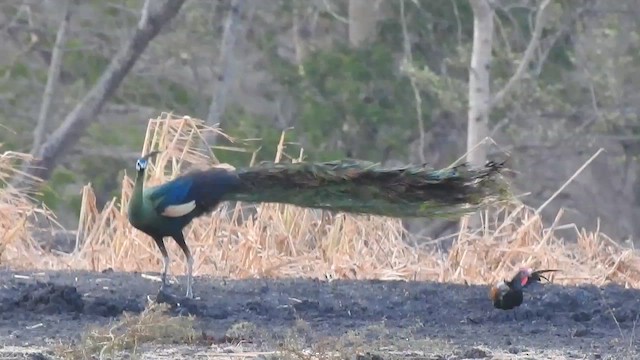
<point>143,162</point>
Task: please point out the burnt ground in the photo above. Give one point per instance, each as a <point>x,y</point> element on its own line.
<point>389,318</point>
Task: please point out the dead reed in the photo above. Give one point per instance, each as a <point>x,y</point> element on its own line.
<point>16,210</point>
<point>271,240</point>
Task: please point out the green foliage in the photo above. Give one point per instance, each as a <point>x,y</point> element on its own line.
<point>157,92</point>
<point>355,102</point>
<point>118,10</point>
<point>16,70</point>
<point>242,125</point>
<point>51,194</point>
<point>104,172</point>
<point>84,64</point>
<point>125,134</point>
<point>17,89</point>
<point>352,97</point>
<point>437,30</point>
<point>14,134</point>
<point>135,89</point>
<point>350,102</point>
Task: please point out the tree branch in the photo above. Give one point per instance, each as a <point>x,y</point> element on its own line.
<point>527,57</point>
<point>52,78</point>
<point>408,57</point>
<point>77,121</point>
<point>226,66</point>
<point>144,14</point>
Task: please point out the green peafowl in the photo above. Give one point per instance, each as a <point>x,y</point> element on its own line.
<point>347,185</point>
<point>164,210</point>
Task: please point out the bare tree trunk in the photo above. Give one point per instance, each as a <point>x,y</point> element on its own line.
<point>480,99</point>
<point>144,14</point>
<point>76,122</point>
<point>300,47</point>
<point>479,87</point>
<point>52,78</point>
<point>363,19</point>
<point>408,57</point>
<point>226,67</point>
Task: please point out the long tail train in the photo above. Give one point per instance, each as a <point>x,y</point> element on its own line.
<point>357,186</point>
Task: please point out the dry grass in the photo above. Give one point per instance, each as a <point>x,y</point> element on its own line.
<point>271,240</point>
<point>16,211</point>
<point>126,335</point>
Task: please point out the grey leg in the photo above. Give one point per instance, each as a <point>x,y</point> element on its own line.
<point>165,261</point>
<point>165,269</point>
<point>185,249</point>
<point>189,277</point>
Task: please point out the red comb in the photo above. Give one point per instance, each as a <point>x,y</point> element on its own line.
<point>523,280</point>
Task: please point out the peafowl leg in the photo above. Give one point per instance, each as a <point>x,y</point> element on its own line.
<point>165,261</point>
<point>185,249</point>
<point>165,269</point>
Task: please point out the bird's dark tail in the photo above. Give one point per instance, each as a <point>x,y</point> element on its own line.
<point>367,188</point>
<point>537,276</point>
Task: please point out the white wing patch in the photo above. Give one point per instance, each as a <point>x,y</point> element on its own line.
<point>179,210</point>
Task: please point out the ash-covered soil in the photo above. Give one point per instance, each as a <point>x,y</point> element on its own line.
<point>388,317</point>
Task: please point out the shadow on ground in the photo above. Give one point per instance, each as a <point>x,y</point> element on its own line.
<point>48,307</point>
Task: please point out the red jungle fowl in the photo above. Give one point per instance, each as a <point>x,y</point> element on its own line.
<point>507,295</point>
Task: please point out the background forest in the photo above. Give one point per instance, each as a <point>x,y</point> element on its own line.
<point>379,80</point>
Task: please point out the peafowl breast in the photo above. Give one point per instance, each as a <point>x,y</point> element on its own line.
<point>165,210</point>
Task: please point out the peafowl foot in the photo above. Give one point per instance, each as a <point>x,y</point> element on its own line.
<point>162,292</point>
<point>166,297</point>
<point>164,287</point>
